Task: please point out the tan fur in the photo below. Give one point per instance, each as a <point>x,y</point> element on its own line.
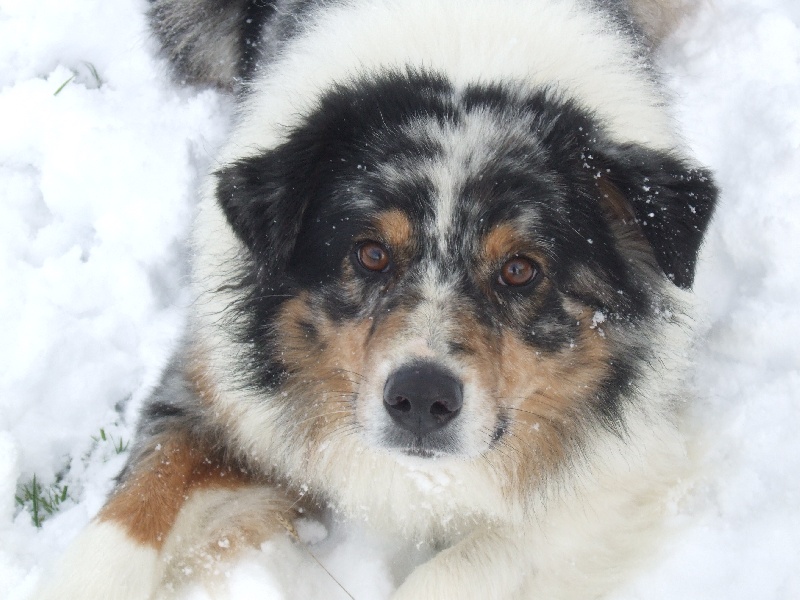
<point>329,366</point>
<point>395,228</point>
<point>500,241</point>
<point>614,201</point>
<point>147,504</point>
<point>624,224</point>
<point>504,241</point>
<point>199,378</point>
<point>544,394</point>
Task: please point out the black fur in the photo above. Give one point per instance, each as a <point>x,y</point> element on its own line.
<point>256,14</point>
<point>673,203</point>
<point>266,197</point>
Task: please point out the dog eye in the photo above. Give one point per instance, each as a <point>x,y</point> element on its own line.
<point>517,271</point>
<point>373,256</point>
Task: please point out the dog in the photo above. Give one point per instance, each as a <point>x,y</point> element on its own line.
<point>447,241</point>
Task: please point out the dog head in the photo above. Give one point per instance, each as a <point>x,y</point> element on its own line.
<point>456,273</point>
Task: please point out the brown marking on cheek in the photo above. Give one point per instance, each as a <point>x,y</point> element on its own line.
<point>395,228</point>
<point>563,377</point>
<point>312,346</point>
<point>327,374</point>
<point>325,368</point>
<point>341,370</point>
<point>545,395</point>
<point>147,503</point>
<point>347,345</point>
<point>294,323</point>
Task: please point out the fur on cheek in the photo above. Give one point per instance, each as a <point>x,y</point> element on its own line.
<point>545,399</point>
<point>324,370</point>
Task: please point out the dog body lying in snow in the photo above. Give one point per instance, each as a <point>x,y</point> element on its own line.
<point>447,239</point>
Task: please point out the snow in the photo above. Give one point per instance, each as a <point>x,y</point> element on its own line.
<point>96,197</point>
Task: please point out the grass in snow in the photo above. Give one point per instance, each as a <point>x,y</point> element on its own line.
<point>119,445</point>
<point>92,71</point>
<point>43,501</point>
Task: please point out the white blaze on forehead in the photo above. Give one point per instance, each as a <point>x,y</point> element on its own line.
<point>466,147</point>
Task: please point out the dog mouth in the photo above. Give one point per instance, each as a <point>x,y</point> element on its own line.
<point>419,452</point>
<point>429,446</point>
<point>438,445</point>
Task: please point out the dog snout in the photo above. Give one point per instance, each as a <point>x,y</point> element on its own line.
<point>422,397</point>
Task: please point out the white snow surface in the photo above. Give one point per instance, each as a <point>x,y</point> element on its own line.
<point>97,190</point>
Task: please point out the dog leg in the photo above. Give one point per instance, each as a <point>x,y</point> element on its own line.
<point>489,564</point>
<point>103,562</point>
<point>214,526</point>
<point>178,512</point>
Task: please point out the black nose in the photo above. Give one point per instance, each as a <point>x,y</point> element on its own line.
<point>422,397</point>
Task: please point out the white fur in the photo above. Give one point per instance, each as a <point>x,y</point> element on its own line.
<point>101,564</point>
<point>564,44</point>
<point>212,527</point>
<point>466,149</point>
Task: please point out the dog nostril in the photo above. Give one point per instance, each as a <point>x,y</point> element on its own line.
<point>439,408</point>
<point>401,404</point>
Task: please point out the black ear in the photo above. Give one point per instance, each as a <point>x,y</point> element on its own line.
<point>671,200</point>
<point>264,202</point>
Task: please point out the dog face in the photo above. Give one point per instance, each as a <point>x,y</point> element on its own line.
<point>456,274</point>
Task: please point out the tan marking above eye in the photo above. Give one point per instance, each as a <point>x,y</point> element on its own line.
<point>517,271</point>
<point>373,256</point>
<point>394,228</point>
<point>500,242</point>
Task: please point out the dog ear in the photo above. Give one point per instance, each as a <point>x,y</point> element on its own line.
<point>669,199</point>
<point>264,198</point>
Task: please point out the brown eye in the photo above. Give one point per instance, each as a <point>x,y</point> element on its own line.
<point>373,256</point>
<point>517,271</point>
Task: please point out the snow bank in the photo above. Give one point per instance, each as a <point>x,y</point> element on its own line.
<point>736,73</point>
